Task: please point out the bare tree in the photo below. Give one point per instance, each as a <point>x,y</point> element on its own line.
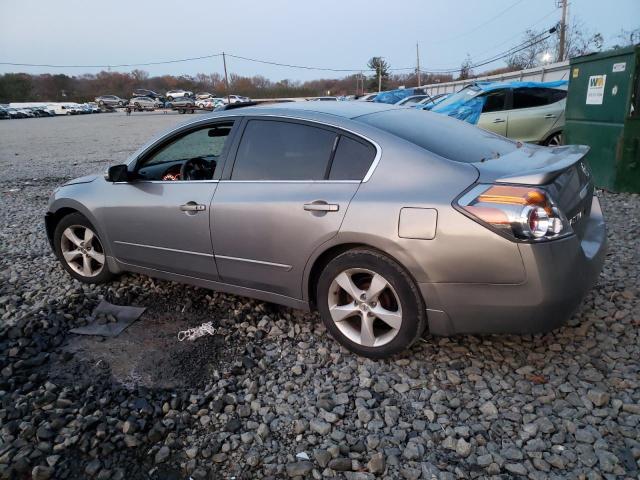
<point>466,69</point>
<point>627,38</point>
<point>579,40</point>
<point>531,56</point>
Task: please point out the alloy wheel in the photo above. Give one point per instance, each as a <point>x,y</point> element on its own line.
<point>82,251</point>
<point>555,140</point>
<point>365,307</point>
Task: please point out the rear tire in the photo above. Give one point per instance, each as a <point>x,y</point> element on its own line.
<point>370,304</point>
<point>555,140</point>
<point>80,250</point>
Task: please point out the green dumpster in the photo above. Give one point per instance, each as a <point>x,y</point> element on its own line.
<point>603,111</point>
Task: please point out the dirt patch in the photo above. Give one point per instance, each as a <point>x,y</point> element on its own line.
<point>147,354</point>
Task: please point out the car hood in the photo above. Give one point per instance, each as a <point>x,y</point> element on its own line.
<point>85,179</point>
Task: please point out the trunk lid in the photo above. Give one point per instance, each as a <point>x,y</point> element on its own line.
<point>561,171</point>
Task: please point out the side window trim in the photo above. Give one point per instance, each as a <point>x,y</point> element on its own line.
<point>186,130</point>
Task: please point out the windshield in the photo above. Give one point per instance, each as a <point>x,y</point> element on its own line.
<point>462,96</point>
<point>442,135</point>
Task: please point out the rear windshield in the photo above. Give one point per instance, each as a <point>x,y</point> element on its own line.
<point>444,136</point>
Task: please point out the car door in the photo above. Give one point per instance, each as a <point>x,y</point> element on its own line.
<point>159,219</point>
<point>534,113</point>
<point>285,196</point>
<point>493,116</point>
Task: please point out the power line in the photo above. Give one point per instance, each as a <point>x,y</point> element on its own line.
<point>300,66</point>
<point>499,56</point>
<point>478,27</point>
<point>111,66</point>
<point>506,53</point>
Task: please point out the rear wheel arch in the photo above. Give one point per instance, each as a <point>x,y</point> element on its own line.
<point>323,259</point>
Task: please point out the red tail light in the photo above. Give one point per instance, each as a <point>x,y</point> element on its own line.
<point>524,213</point>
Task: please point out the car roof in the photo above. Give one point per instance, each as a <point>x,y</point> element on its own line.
<point>345,109</point>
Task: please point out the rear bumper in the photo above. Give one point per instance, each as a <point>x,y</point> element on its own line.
<point>558,276</point>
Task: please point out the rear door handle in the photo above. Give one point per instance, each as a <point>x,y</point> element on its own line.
<point>499,120</point>
<point>193,207</point>
<point>321,207</point>
<point>549,115</point>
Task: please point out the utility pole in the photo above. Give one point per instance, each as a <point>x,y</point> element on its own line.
<point>380,75</point>
<point>226,78</point>
<point>418,63</point>
<point>563,28</point>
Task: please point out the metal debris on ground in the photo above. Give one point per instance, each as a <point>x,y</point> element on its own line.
<point>193,333</point>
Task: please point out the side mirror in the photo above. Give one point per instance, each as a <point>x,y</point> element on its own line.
<point>117,173</point>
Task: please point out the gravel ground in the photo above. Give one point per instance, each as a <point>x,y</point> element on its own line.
<point>270,395</point>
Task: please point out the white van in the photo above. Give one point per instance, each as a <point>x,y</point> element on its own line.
<point>63,108</point>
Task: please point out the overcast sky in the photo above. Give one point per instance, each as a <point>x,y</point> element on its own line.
<point>327,33</point>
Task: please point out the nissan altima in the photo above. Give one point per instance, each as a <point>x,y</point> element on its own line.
<point>387,220</point>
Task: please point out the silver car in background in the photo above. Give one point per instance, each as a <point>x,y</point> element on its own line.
<point>387,220</point>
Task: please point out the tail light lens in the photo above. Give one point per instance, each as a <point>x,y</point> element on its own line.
<point>523,213</point>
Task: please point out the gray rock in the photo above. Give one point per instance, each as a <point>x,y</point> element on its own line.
<point>320,427</point>
<point>340,464</point>
<point>162,454</point>
<point>516,468</point>
<point>41,472</point>
<point>488,409</point>
<point>376,463</point>
<point>463,448</point>
<point>299,469</point>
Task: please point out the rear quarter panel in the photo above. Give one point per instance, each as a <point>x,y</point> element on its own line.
<point>462,250</point>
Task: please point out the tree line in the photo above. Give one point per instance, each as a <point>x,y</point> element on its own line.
<point>23,87</point>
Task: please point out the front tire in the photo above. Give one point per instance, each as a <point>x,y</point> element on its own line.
<point>80,250</point>
<point>370,304</point>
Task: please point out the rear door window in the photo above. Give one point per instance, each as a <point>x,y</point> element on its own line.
<point>536,97</point>
<point>352,159</point>
<point>279,150</point>
<point>494,101</point>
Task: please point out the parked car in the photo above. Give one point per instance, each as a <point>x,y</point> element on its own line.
<point>182,104</point>
<point>62,109</point>
<point>387,220</point>
<point>144,103</point>
<point>209,103</point>
<point>324,99</point>
<point>41,112</point>
<point>369,97</point>
<point>172,94</point>
<point>429,103</point>
<point>110,101</point>
<point>204,95</point>
<point>15,113</point>
<point>235,99</point>
<point>27,112</point>
<point>4,114</point>
<point>93,107</point>
<point>516,110</point>
<point>143,92</point>
<point>412,100</point>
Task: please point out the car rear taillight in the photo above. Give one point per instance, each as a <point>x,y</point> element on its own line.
<point>523,213</point>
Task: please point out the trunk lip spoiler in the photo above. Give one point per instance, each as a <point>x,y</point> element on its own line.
<point>544,174</point>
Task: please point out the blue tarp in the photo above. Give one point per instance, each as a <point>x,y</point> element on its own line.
<point>467,104</point>
<point>394,96</point>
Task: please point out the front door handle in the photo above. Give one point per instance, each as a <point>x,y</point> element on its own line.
<point>193,207</point>
<point>549,115</point>
<point>321,207</point>
<point>499,120</point>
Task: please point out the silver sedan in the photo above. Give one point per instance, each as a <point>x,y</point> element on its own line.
<point>387,220</point>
